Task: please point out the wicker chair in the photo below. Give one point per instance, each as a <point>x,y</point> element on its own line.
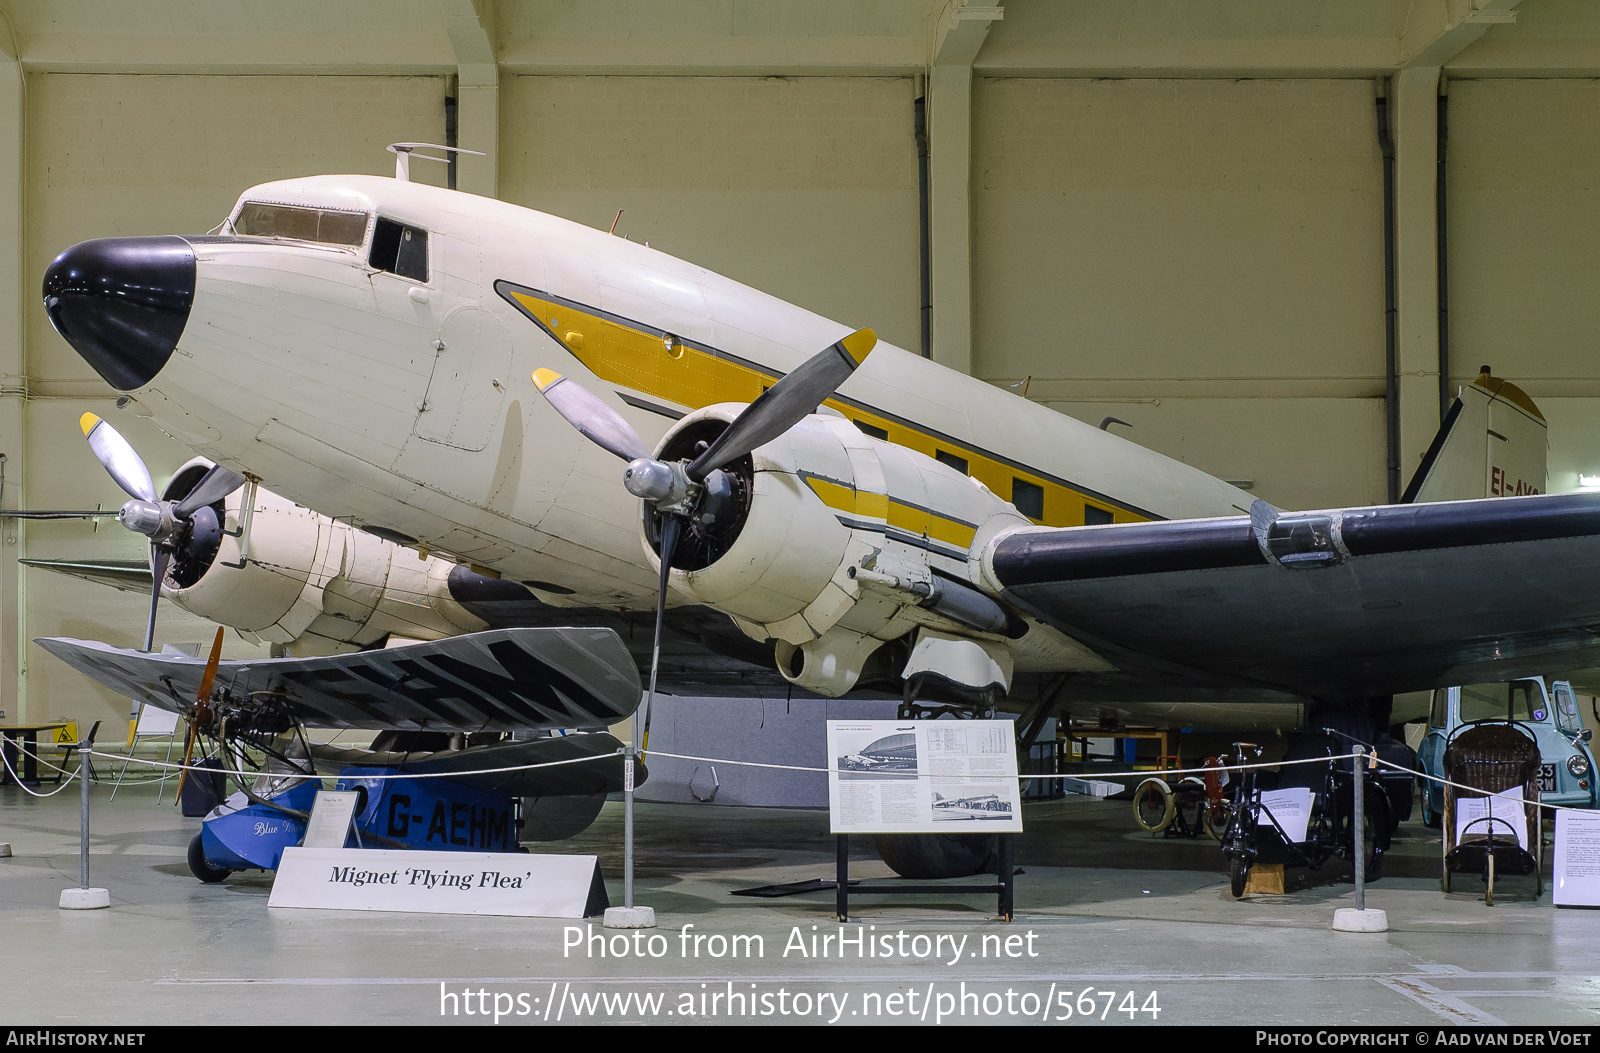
<point>1492,757</point>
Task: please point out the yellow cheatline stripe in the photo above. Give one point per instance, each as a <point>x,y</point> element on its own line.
<point>687,376</point>
<point>87,422</point>
<point>898,514</point>
<point>858,344</point>
<point>543,378</point>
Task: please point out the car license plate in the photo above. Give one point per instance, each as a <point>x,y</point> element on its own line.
<point>1547,778</point>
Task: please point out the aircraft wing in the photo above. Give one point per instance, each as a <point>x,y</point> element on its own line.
<point>1336,605</point>
<point>499,680</point>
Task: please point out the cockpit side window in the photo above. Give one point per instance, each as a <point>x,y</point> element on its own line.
<point>400,249</point>
<point>325,226</point>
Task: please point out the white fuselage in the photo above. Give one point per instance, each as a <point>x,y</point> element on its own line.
<point>407,405</point>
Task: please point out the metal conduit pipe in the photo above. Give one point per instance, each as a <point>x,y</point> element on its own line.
<point>1441,239</point>
<point>1391,385</point>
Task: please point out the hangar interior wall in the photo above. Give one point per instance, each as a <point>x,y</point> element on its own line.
<point>1165,227</point>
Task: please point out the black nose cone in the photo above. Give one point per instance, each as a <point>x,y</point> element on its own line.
<point>122,303</point>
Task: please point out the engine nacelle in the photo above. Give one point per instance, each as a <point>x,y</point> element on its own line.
<point>833,543</point>
<point>307,583</point>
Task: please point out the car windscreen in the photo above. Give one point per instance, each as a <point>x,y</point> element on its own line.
<point>1492,701</point>
<point>325,226</point>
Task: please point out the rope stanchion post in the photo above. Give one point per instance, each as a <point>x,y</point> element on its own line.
<point>629,916</point>
<point>1359,919</point>
<point>83,897</point>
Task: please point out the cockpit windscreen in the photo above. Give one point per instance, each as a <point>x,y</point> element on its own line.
<point>322,225</point>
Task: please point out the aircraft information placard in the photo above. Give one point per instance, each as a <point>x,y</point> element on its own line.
<point>923,776</point>
<point>1577,864</point>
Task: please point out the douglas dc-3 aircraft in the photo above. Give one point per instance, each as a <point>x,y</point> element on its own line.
<point>457,382</point>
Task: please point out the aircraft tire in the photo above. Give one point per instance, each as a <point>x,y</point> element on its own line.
<point>1238,874</point>
<point>200,868</point>
<point>926,856</point>
<point>555,818</point>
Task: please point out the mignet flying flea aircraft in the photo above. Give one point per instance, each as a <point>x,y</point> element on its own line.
<point>540,409</point>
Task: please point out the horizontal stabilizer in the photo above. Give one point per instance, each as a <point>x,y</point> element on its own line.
<point>560,780</point>
<point>500,680</point>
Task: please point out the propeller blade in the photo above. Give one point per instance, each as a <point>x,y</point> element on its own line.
<point>202,700</point>
<point>118,458</point>
<point>213,486</point>
<point>158,573</point>
<point>601,424</point>
<point>786,403</point>
<point>671,530</point>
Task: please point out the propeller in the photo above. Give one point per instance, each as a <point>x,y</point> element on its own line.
<point>690,496</point>
<point>200,716</point>
<point>186,530</point>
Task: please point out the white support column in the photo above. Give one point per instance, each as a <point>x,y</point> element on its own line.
<point>1413,98</point>
<point>18,292</point>
<point>959,32</point>
<point>477,94</point>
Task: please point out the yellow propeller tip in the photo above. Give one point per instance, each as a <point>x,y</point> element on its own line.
<point>87,422</point>
<point>543,378</point>
<point>858,344</point>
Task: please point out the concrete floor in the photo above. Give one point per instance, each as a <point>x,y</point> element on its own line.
<point>1109,911</point>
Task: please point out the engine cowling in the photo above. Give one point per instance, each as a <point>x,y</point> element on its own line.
<point>308,583</point>
<point>834,543</point>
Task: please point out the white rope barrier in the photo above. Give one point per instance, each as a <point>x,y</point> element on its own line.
<point>366,778</point>
<point>1134,774</point>
<point>70,775</point>
<point>1150,773</point>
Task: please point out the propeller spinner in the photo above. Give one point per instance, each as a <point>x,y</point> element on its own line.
<point>173,527</point>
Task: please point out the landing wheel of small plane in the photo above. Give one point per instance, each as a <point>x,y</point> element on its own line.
<point>1238,874</point>
<point>202,869</point>
<point>1154,804</point>
<point>926,856</point>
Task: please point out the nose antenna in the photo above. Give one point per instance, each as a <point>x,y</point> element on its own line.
<point>402,156</point>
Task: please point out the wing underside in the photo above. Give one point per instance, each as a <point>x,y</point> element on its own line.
<point>500,680</point>
<point>1368,601</point>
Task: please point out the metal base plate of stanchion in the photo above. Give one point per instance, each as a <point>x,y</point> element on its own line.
<point>84,898</point>
<point>1349,919</point>
<point>629,918</point>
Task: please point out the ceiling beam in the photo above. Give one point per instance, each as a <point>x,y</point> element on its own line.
<point>1438,30</point>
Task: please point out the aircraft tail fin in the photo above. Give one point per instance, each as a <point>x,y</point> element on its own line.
<point>1493,443</point>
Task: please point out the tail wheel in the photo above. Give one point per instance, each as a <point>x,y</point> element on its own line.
<point>200,868</point>
<point>1154,805</point>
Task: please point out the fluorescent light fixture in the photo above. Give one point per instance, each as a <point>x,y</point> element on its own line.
<point>1589,482</point>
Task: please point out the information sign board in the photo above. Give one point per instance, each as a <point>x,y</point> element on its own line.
<point>923,776</point>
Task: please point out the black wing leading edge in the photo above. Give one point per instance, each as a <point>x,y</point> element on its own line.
<point>1331,605</point>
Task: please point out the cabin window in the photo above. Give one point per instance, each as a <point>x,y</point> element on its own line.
<point>400,249</point>
<point>1028,497</point>
<point>1439,716</point>
<point>325,226</point>
<point>1096,516</point>
<point>949,459</point>
<point>868,429</point>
